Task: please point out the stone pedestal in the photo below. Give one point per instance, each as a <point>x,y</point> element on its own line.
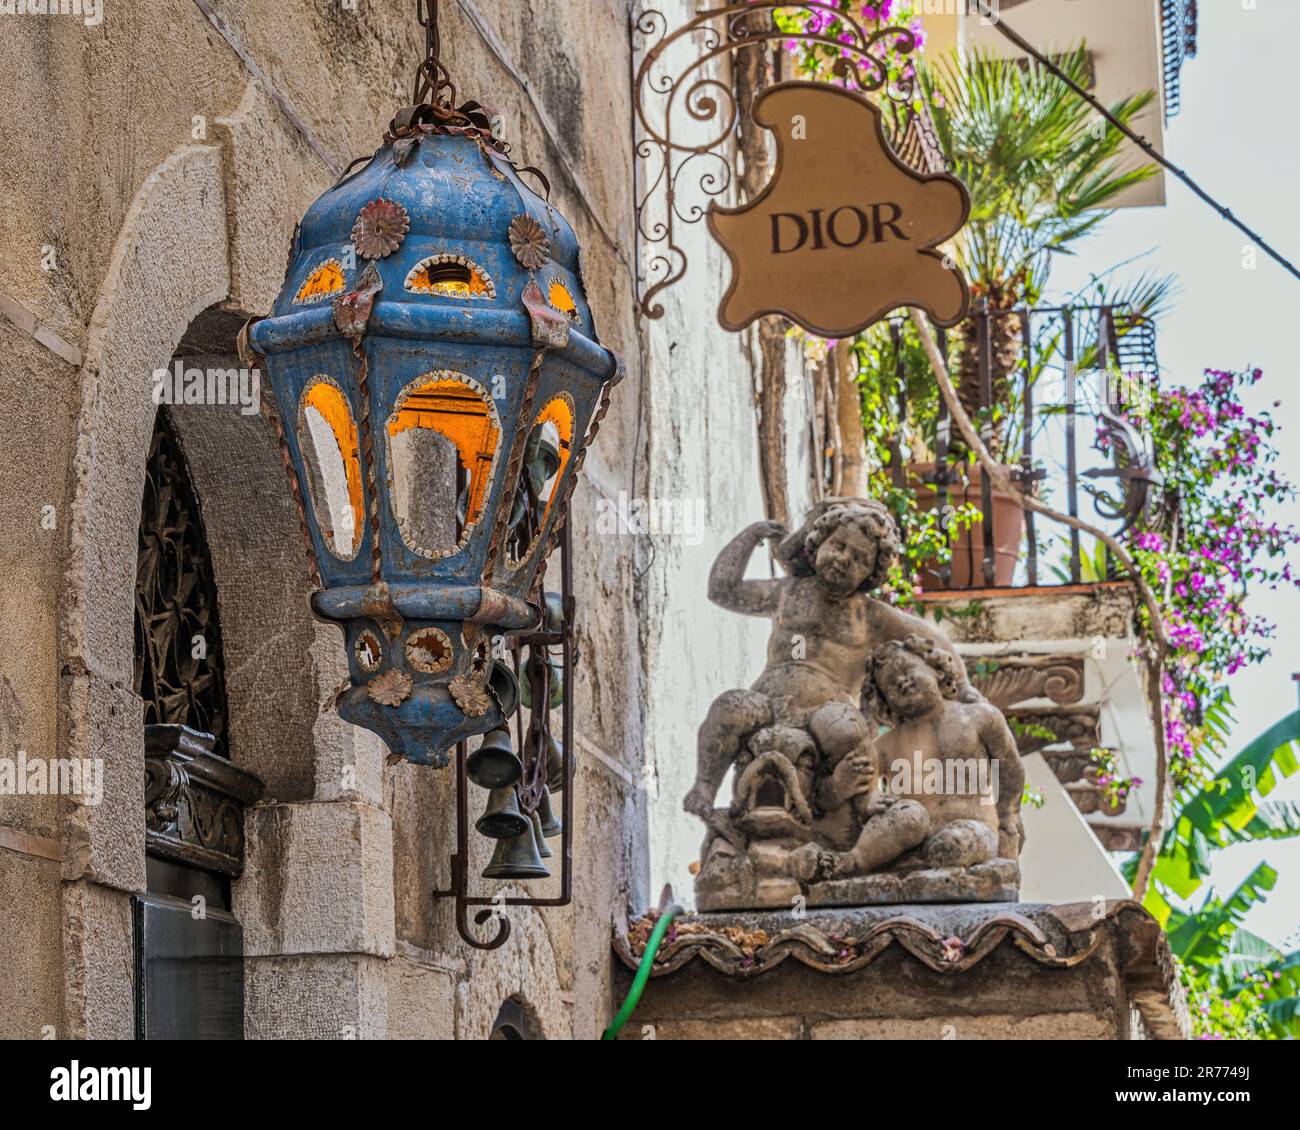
<point>998,880</point>
<point>1098,971</point>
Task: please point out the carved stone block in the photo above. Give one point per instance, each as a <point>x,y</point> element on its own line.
<point>995,881</point>
<point>194,800</point>
<point>1009,680</point>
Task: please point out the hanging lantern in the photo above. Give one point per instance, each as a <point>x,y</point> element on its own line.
<point>437,380</point>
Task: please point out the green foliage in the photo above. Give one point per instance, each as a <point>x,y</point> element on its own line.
<point>1039,165</point>
<point>1202,938</point>
<point>925,528</point>
<point>1023,729</point>
<point>1252,992</point>
<point>1240,986</point>
<point>1094,561</point>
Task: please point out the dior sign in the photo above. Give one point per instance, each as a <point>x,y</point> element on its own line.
<point>845,231</point>
<point>845,226</point>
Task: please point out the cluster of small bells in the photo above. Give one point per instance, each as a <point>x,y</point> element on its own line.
<point>520,816</point>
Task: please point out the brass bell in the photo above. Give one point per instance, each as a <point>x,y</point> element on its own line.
<point>552,611</point>
<point>504,687</point>
<point>557,685</point>
<point>494,764</point>
<point>543,848</point>
<point>555,765</point>
<point>502,819</point>
<point>517,858</point>
<point>551,824</point>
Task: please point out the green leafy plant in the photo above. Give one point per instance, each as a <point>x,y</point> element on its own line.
<point>1094,561</point>
<point>1041,169</point>
<point>1239,984</point>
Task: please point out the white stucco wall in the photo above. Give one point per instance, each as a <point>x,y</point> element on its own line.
<point>703,453</point>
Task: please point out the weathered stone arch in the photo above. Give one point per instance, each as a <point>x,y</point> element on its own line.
<point>164,302</point>
<point>169,264</point>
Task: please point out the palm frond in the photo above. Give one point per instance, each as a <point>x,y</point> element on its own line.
<point>1039,172</point>
<point>1202,937</point>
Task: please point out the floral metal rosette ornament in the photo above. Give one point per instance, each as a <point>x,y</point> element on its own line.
<point>434,364</point>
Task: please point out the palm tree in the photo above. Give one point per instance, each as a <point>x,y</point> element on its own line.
<point>1040,168</point>
<point>1218,955</point>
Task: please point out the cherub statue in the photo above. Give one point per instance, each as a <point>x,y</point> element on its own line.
<point>825,625</point>
<point>951,773</point>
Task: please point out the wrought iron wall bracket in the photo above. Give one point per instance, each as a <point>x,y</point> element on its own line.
<point>663,91</point>
<point>534,772</point>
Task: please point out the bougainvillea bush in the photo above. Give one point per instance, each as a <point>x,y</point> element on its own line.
<point>831,22</point>
<point>1212,543</point>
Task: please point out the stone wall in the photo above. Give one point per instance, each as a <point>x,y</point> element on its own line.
<point>155,165</point>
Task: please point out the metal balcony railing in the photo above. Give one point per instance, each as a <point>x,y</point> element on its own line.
<point>1047,388</point>
<point>1178,35</point>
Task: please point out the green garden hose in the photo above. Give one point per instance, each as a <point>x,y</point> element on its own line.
<point>643,971</point>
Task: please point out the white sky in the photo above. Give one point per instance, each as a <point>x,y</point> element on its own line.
<point>1238,136</point>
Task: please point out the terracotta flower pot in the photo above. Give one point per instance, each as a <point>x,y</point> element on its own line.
<point>968,542</point>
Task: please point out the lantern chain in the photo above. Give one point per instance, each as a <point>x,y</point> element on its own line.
<point>432,79</point>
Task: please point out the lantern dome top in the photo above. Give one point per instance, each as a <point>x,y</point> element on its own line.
<point>448,223</point>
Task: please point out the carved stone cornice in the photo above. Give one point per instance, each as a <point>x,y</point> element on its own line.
<point>947,940</point>
<point>740,965</point>
<point>1118,838</point>
<point>1073,767</point>
<point>1008,680</point>
<point>1069,765</point>
<point>1079,726</point>
<point>194,800</point>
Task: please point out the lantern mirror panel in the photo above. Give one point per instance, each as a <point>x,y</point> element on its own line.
<point>327,437</point>
<point>443,438</point>
<point>547,454</point>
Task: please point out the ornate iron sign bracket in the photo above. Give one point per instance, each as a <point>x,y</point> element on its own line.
<point>672,81</point>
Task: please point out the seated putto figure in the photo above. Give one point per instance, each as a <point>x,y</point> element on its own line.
<point>807,807</point>
<point>950,774</point>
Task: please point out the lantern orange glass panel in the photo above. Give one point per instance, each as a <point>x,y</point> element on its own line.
<point>463,380</point>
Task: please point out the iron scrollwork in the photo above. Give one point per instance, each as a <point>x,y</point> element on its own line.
<point>663,90</point>
<point>179,665</point>
<point>194,795</point>
<point>1133,470</point>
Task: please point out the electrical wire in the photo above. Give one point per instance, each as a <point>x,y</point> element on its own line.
<point>1141,142</point>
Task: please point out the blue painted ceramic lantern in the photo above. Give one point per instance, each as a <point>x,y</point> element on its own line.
<point>437,379</point>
